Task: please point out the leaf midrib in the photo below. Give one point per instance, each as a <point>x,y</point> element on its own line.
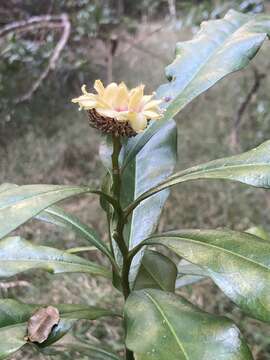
<point>178,97</point>
<point>219,248</point>
<point>168,324</point>
<point>73,223</point>
<point>152,275</point>
<point>39,194</point>
<point>99,269</point>
<point>185,173</point>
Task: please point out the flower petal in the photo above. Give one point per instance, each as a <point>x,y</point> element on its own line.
<point>136,98</point>
<point>152,114</point>
<point>147,98</point>
<point>86,102</point>
<point>110,93</point>
<point>120,102</point>
<point>122,115</point>
<point>84,91</point>
<point>137,121</point>
<point>98,86</point>
<point>154,104</point>
<point>106,112</point>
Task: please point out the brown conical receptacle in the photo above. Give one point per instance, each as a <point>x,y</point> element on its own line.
<point>110,125</point>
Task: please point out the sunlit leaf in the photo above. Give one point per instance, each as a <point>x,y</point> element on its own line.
<point>18,255</point>
<point>161,325</point>
<point>152,164</point>
<point>156,272</point>
<point>189,274</point>
<point>260,232</point>
<point>220,47</point>
<point>251,168</point>
<point>57,216</point>
<point>239,264</point>
<point>20,203</point>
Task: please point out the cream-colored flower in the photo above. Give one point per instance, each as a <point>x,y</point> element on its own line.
<point>119,103</point>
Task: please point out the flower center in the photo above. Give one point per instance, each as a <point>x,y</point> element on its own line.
<point>120,109</point>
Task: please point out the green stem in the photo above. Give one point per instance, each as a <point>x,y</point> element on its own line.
<point>129,355</point>
<point>116,168</point>
<point>119,224</point>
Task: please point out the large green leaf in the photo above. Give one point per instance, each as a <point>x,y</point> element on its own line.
<point>18,255</point>
<point>189,274</point>
<point>20,203</point>
<point>251,168</point>
<point>134,145</point>
<point>164,326</point>
<point>239,263</point>
<point>220,48</point>
<point>6,186</point>
<point>260,232</point>
<point>156,272</point>
<point>151,165</point>
<point>57,216</point>
<point>14,316</point>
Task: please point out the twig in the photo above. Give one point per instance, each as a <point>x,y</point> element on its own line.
<point>37,22</point>
<point>132,43</point>
<point>23,25</point>
<point>234,136</point>
<point>172,8</point>
<point>13,284</point>
<point>111,45</point>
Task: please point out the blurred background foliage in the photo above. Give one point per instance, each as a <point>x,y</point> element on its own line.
<point>44,139</point>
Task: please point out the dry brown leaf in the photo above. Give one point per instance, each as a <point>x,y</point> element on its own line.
<point>41,323</point>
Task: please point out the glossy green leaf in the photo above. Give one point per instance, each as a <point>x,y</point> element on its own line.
<point>57,216</point>
<point>189,274</point>
<point>14,316</point>
<point>238,263</point>
<point>6,186</point>
<point>152,164</point>
<point>134,145</point>
<point>156,272</point>
<point>220,47</point>
<point>161,325</point>
<point>184,280</point>
<point>251,168</point>
<point>18,255</point>
<point>260,232</point>
<point>106,188</point>
<point>20,203</point>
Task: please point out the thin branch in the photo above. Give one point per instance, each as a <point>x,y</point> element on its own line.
<point>13,284</point>
<point>172,8</point>
<point>23,25</point>
<point>53,59</point>
<point>134,42</point>
<point>234,136</point>
<point>34,23</point>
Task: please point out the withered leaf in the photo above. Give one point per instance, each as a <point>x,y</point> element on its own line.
<point>41,323</point>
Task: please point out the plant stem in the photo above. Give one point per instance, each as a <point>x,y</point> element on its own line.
<point>116,169</point>
<point>119,221</point>
<point>119,224</point>
<point>129,355</point>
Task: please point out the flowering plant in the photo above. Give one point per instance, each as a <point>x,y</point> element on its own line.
<point>139,159</point>
<point>117,110</point>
